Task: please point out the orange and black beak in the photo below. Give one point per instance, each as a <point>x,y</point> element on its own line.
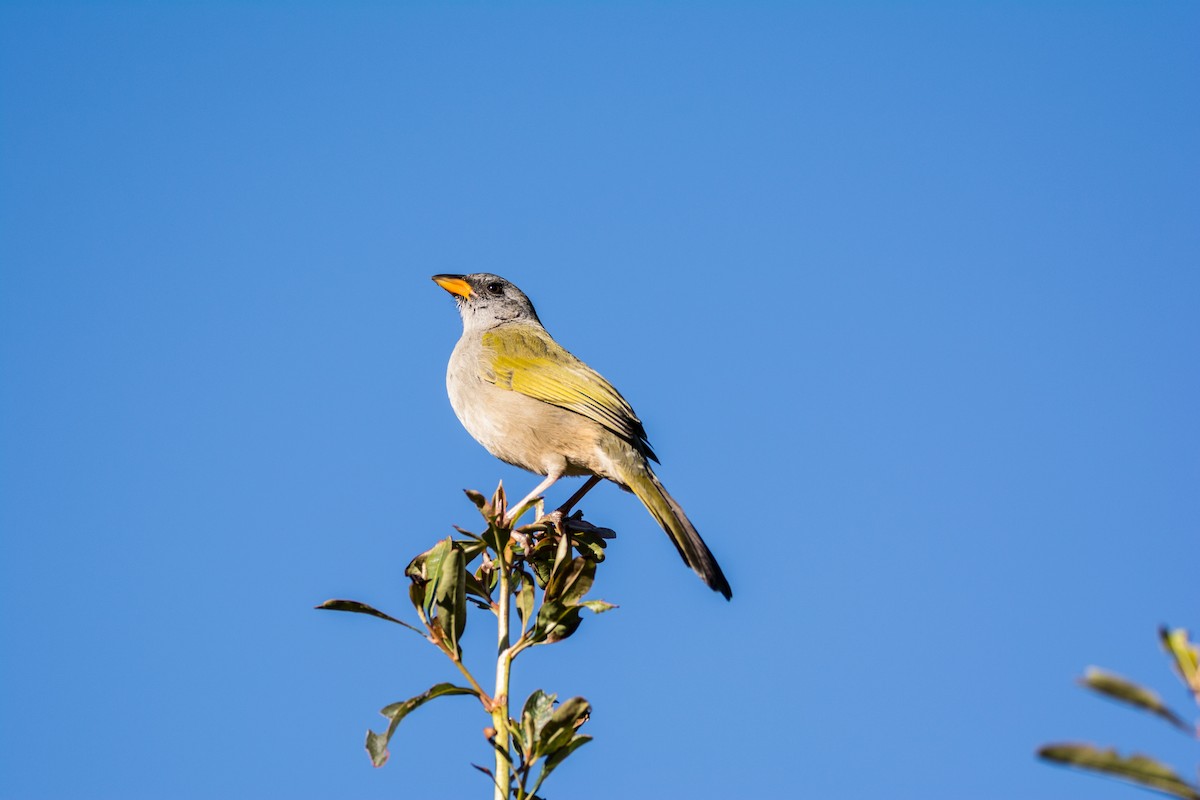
<point>454,284</point>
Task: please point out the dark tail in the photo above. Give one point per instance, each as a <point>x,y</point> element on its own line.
<point>687,541</point>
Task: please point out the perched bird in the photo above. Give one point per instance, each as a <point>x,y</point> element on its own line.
<point>536,406</point>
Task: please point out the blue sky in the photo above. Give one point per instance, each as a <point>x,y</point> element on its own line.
<point>906,296</point>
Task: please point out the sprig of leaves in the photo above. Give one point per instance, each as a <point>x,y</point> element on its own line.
<point>557,556</point>
<point>1138,768</point>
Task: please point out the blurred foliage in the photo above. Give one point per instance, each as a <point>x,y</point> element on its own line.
<point>1143,770</point>
<point>545,570</point>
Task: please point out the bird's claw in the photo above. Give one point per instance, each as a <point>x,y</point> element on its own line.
<point>554,518</point>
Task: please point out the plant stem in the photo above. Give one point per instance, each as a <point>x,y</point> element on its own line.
<point>483,697</point>
<point>500,698</point>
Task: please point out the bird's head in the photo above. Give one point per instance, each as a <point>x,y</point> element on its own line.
<point>487,300</point>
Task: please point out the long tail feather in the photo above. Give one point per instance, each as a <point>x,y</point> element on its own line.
<point>687,541</point>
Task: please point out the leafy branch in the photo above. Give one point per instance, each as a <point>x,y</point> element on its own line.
<point>545,569</point>
<point>1139,769</point>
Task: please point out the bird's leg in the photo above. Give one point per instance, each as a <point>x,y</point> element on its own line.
<point>520,508</point>
<point>590,484</point>
<point>523,538</point>
<point>559,516</point>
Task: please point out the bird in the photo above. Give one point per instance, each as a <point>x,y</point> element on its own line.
<point>534,405</point>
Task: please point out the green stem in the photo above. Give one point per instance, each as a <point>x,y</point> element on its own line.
<point>436,640</point>
<point>483,697</point>
<point>503,668</point>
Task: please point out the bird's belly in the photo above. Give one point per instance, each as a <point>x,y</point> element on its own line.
<point>525,432</point>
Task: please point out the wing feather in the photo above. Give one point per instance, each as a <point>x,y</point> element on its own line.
<point>523,358</point>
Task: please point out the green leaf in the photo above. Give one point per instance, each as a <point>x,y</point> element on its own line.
<point>525,598</point>
<point>496,536</point>
<point>488,575</point>
<point>569,585</point>
<point>475,586</point>
<point>356,607</point>
<point>578,526</point>
<point>472,548</point>
<point>499,499</point>
<point>560,755</point>
<point>560,728</point>
<point>598,606</point>
<point>538,526</point>
<point>435,560</point>
<point>589,545</point>
<point>541,559</point>
<point>537,712</point>
<point>555,759</point>
<point>377,743</point>
<point>1126,691</point>
<point>1186,656</point>
<point>416,568</point>
<point>450,596</point>
<point>541,572</point>
<point>416,594</point>
<point>517,737</point>
<point>425,570</point>
<point>555,622</point>
<point>415,571</point>
<point>1136,768</point>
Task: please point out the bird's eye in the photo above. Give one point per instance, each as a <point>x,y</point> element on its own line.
<point>496,288</point>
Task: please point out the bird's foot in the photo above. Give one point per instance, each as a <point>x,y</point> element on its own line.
<point>522,540</point>
<point>555,519</point>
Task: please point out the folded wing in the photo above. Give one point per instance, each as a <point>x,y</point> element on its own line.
<point>523,358</point>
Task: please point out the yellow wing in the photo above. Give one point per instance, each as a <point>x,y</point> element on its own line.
<point>523,358</point>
